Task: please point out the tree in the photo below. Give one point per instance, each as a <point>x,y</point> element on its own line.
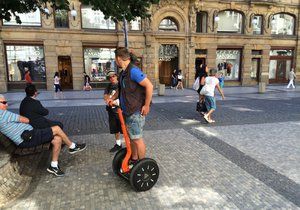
<point>12,7</point>
<point>118,10</point>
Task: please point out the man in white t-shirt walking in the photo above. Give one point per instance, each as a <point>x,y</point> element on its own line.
<point>210,101</point>
<point>292,77</point>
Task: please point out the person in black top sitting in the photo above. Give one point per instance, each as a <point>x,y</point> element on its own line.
<point>32,108</point>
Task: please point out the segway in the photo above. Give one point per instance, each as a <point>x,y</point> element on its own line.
<point>144,174</point>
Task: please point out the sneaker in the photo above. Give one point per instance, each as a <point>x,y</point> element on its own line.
<point>78,148</point>
<point>132,163</point>
<point>115,148</point>
<point>203,113</point>
<point>55,170</point>
<point>206,118</point>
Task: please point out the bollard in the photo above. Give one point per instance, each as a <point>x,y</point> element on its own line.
<point>261,87</point>
<point>161,89</point>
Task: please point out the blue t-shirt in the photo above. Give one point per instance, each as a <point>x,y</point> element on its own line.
<point>11,126</point>
<point>137,76</point>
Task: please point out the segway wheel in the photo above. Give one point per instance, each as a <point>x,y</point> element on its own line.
<point>144,175</point>
<point>117,161</point>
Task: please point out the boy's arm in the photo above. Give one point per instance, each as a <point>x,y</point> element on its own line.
<point>220,90</point>
<point>149,90</point>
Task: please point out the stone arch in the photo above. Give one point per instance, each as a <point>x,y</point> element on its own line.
<point>174,13</point>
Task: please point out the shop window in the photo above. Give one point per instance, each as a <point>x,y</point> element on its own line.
<point>257,24</point>
<point>282,24</point>
<point>201,21</point>
<point>28,19</point>
<point>168,24</point>
<point>94,19</point>
<point>98,62</point>
<point>21,58</point>
<point>61,18</point>
<point>230,21</point>
<point>136,25</point>
<point>229,62</point>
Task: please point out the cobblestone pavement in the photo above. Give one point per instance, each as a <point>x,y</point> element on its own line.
<point>249,159</point>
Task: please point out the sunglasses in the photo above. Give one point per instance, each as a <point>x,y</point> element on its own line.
<point>3,102</point>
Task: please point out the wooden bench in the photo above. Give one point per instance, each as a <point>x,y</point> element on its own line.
<point>11,148</point>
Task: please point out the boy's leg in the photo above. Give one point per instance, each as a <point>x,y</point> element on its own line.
<point>56,142</point>
<point>57,131</point>
<point>140,148</point>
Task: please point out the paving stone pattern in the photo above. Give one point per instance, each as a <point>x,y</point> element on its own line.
<point>202,166</point>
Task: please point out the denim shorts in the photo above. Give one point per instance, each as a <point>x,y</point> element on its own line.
<point>210,103</point>
<point>135,124</point>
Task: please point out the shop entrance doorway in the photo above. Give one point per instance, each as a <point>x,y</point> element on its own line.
<point>168,62</point>
<point>65,72</point>
<point>281,62</point>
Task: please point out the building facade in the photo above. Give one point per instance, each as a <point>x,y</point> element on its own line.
<point>248,42</point>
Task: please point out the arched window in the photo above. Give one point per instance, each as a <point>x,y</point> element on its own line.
<point>230,21</point>
<point>168,24</point>
<point>282,24</point>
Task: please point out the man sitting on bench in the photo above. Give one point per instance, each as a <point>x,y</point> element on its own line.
<point>32,108</point>
<point>17,128</point>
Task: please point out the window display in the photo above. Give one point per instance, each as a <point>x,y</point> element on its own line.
<point>94,19</point>
<point>22,58</point>
<point>99,61</point>
<point>28,19</point>
<point>228,62</point>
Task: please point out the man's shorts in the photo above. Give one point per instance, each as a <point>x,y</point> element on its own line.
<point>135,124</point>
<point>114,123</point>
<point>210,103</point>
<point>39,136</point>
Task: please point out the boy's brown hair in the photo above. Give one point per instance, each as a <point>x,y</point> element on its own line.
<point>123,53</point>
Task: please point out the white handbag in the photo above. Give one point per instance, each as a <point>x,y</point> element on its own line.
<point>196,84</point>
<point>206,89</point>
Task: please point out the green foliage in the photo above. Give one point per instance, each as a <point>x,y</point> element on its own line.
<point>115,9</point>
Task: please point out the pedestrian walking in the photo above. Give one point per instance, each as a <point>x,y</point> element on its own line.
<point>28,79</point>
<point>292,77</point>
<point>211,82</point>
<point>180,81</point>
<point>174,79</point>
<point>57,82</point>
<point>112,90</point>
<point>221,79</point>
<point>87,82</point>
<point>201,74</point>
